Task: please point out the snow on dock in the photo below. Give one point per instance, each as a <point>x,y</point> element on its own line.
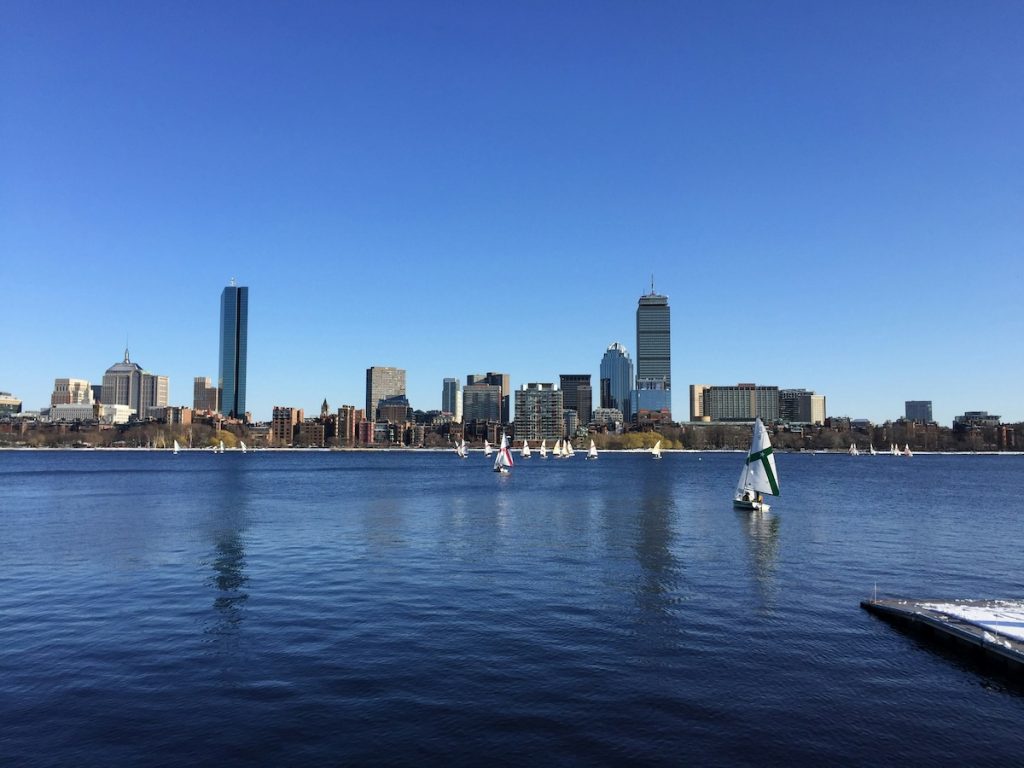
<point>994,626</point>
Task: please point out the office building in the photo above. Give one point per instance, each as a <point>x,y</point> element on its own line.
<point>975,419</point>
<point>482,403</point>
<point>126,383</point>
<point>918,410</point>
<point>451,399</point>
<point>234,333</point>
<point>610,418</point>
<point>577,394</point>
<point>697,402</point>
<point>9,404</point>
<point>654,349</point>
<point>743,402</point>
<point>798,406</point>
<point>502,380</point>
<point>382,382</point>
<point>71,392</point>
<point>616,378</point>
<point>395,410</point>
<point>205,395</point>
<point>650,396</point>
<point>538,412</point>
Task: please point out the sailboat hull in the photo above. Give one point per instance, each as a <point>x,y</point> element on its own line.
<point>749,506</point>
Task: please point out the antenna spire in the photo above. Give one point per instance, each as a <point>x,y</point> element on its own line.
<point>652,283</point>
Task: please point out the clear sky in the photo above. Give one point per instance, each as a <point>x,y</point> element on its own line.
<point>830,194</point>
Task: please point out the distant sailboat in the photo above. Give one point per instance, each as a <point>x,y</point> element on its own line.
<point>460,449</point>
<point>758,476</point>
<point>503,461</point>
<point>853,450</point>
<point>567,450</point>
<point>893,449</point>
<point>220,449</point>
<point>592,453</point>
<point>906,450</point>
<point>871,449</point>
<point>656,450</point>
<point>525,453</point>
<point>176,447</point>
<point>241,444</point>
<point>543,449</point>
<point>557,450</point>
<point>487,448</point>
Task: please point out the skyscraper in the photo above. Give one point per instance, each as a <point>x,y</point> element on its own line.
<point>234,332</point>
<point>125,383</point>
<point>577,394</point>
<point>382,381</point>
<point>616,378</point>
<point>654,351</point>
<point>502,380</point>
<point>918,410</point>
<point>451,399</point>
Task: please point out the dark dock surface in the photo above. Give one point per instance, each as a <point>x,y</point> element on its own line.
<point>995,627</point>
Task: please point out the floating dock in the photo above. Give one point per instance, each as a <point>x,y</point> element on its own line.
<point>995,627</point>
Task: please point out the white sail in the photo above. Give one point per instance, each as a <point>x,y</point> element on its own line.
<point>503,460</point>
<point>557,450</point>
<point>871,449</point>
<point>656,450</point>
<point>220,448</point>
<point>906,450</point>
<point>176,446</point>
<point>241,444</point>
<point>525,453</point>
<point>543,449</point>
<point>853,450</point>
<point>759,474</point>
<point>487,448</point>
<point>567,450</point>
<point>592,453</point>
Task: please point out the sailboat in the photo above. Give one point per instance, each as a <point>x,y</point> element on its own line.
<point>893,449</point>
<point>543,449</point>
<point>487,448</point>
<point>460,449</point>
<point>220,448</point>
<point>557,450</point>
<point>176,447</point>
<point>906,450</point>
<point>656,450</point>
<point>871,449</point>
<point>592,453</point>
<point>758,476</point>
<point>241,444</point>
<point>567,451</point>
<point>503,460</point>
<point>525,453</point>
<point>853,450</point>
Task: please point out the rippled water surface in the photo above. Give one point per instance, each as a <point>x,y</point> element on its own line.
<point>296,608</point>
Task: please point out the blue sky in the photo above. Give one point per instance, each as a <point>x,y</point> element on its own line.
<point>830,194</point>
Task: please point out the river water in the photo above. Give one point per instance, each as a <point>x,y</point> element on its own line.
<point>399,608</point>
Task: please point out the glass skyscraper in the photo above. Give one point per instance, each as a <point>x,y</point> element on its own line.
<point>616,378</point>
<point>234,331</point>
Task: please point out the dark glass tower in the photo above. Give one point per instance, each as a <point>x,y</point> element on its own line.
<point>653,353</point>
<point>616,378</point>
<point>234,330</point>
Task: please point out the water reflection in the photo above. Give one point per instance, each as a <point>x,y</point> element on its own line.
<point>228,521</point>
<point>656,591</point>
<point>762,529</point>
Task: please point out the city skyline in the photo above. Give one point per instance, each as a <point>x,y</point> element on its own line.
<point>836,178</point>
